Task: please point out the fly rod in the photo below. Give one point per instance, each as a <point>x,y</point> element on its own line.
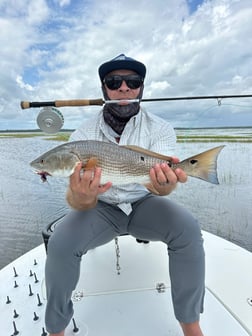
<point>100,102</point>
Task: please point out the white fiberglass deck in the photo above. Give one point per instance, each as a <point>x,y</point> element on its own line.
<point>109,304</point>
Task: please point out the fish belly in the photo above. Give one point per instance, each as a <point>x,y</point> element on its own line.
<point>118,178</point>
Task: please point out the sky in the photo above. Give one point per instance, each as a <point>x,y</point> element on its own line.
<point>51,50</point>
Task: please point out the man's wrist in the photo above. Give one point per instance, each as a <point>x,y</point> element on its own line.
<point>79,203</point>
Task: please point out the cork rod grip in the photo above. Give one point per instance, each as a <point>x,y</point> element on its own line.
<point>62,103</point>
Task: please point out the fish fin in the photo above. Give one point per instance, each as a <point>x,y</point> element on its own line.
<point>204,165</point>
<point>91,164</point>
<point>148,152</point>
<point>150,187</point>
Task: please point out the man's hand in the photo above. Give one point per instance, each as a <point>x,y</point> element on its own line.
<point>84,187</point>
<point>164,179</point>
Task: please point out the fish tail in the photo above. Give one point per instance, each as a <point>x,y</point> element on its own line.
<point>203,165</point>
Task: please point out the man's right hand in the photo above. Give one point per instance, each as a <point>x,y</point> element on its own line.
<point>84,187</point>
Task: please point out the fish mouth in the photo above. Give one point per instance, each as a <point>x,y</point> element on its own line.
<point>43,174</point>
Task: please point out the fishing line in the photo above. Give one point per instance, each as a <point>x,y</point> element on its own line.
<point>237,105</point>
<point>225,104</point>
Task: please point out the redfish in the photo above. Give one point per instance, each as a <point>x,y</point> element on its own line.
<point>120,164</point>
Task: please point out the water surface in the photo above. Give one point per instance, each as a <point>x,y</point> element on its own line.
<point>27,204</point>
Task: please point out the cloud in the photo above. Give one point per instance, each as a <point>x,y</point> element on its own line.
<point>63,3</point>
<point>23,85</point>
<point>51,50</point>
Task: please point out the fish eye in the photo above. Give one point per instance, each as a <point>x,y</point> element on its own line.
<point>193,161</point>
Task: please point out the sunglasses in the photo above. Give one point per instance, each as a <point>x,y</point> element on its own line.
<point>114,82</point>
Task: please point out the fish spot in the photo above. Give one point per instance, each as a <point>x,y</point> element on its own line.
<point>142,158</point>
<point>193,161</point>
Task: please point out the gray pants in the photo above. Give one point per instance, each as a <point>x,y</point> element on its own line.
<point>153,218</point>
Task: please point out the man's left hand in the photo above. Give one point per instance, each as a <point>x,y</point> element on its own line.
<point>164,179</point>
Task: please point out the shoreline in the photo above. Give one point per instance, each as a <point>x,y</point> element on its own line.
<point>64,136</point>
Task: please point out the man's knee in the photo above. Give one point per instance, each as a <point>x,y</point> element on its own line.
<point>187,235</point>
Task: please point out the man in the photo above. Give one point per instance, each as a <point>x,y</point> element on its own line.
<point>102,212</point>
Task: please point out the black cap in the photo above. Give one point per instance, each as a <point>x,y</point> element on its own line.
<point>122,62</point>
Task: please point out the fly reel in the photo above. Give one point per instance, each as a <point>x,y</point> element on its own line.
<point>50,120</point>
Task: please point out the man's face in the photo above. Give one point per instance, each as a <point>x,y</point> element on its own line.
<point>124,91</point>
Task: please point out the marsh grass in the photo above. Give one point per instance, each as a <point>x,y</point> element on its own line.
<point>64,136</point>
<point>214,138</point>
<point>59,137</point>
<point>20,135</point>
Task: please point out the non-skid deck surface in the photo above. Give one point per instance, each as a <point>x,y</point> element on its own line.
<point>108,304</point>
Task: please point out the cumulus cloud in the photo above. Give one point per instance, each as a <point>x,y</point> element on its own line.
<point>51,50</point>
<point>23,85</point>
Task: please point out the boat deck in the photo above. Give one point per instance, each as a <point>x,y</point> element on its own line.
<point>135,302</point>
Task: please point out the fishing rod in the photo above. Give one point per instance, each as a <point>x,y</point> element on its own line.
<point>100,102</point>
<point>51,120</point>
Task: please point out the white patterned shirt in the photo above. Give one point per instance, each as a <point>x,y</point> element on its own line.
<point>144,130</point>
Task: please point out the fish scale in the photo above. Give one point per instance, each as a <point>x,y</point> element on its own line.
<point>120,164</point>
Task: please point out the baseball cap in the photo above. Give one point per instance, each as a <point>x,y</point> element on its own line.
<point>122,62</point>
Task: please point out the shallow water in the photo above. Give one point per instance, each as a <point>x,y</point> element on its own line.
<point>223,209</point>
<point>27,205</point>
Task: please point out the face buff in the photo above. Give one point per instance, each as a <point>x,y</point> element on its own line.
<point>117,116</point>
